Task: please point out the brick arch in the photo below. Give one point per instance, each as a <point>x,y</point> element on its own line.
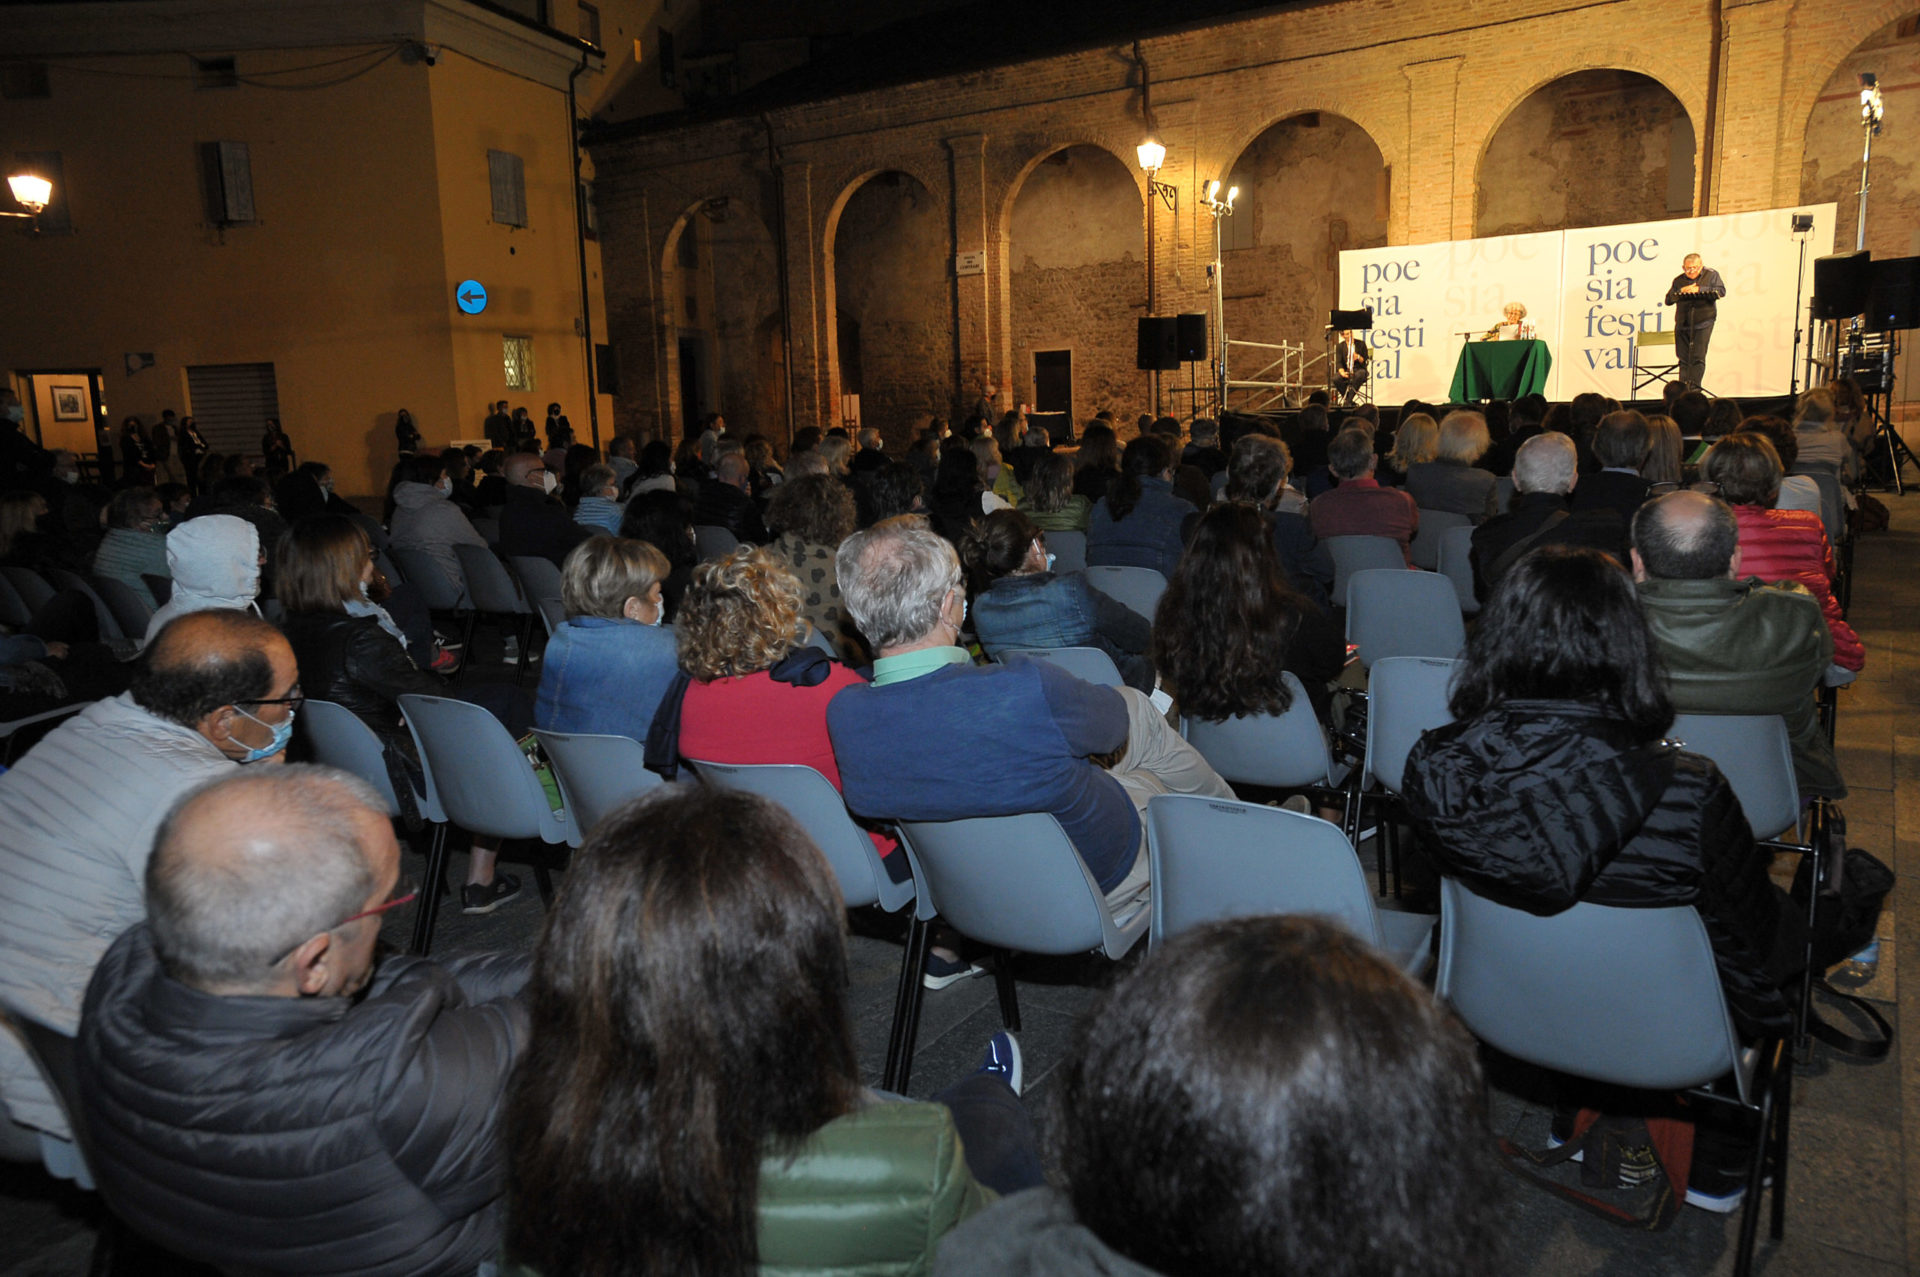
<point>930,181</point>
<point>829,285</point>
<point>1368,120</point>
<point>1812,68</point>
<point>1003,207</point>
<point>667,317</point>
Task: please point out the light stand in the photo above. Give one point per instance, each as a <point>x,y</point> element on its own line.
<point>1219,209</point>
<point>1802,223</point>
<point>1152,155</point>
<point>1872,111</point>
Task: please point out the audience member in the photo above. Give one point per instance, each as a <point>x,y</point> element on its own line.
<point>534,523</point>
<point>712,427</point>
<point>599,506</point>
<point>426,519</point>
<point>249,497</point>
<point>763,470</point>
<point>1797,491</point>
<point>1665,467</point>
<point>873,453</point>
<point>724,502</point>
<point>664,520</point>
<point>895,489</point>
<point>1723,417</point>
<point>1310,438</point>
<point>620,455</point>
<point>263,1094</point>
<point>1451,483</point>
<point>1621,441</point>
<point>1524,421</point>
<point>214,561</point>
<point>1690,412</point>
<point>1257,474</point>
<point>559,430</point>
<point>1583,418</point>
<point>607,666</point>
<point>1360,506</point>
<point>810,517</point>
<point>277,449</point>
<point>1051,502</point>
<point>136,454</point>
<point>1415,443</point>
<point>133,548</point>
<point>79,811</point>
<point>1544,474</point>
<point>1242,1103</point>
<point>960,498</point>
<point>1141,522</point>
<point>1097,463</point>
<point>654,472</point>
<point>1729,644</point>
<point>1204,452</point>
<point>308,491</point>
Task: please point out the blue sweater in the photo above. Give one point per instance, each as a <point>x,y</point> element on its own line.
<point>991,741</point>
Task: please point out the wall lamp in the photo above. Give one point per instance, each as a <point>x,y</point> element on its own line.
<point>30,192</point>
<point>1152,155</point>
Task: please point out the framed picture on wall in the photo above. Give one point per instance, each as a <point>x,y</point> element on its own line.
<point>69,403</point>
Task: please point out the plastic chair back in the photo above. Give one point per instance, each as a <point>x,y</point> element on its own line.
<point>488,526</point>
<point>713,542</point>
<point>1088,663</point>
<point>104,619</point>
<point>30,586</point>
<point>1015,882</point>
<point>340,739</point>
<point>1434,525</point>
<point>811,799</point>
<point>1394,612</point>
<point>53,1054</point>
<point>1406,695</point>
<point>1456,564</point>
<point>1833,501</point>
<point>428,579</point>
<point>14,612</point>
<point>1755,754</point>
<point>1138,588</point>
<point>161,587</point>
<point>129,610</point>
<point>488,583</point>
<point>1357,554</point>
<point>597,773</point>
<point>477,773</point>
<point>1626,996</point>
<point>1069,551</point>
<point>1502,493</point>
<point>539,578</point>
<point>553,614</point>
<point>816,638</point>
<point>1283,751</point>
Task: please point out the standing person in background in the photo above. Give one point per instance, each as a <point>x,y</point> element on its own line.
<point>983,407</point>
<point>277,448</point>
<point>136,458</point>
<point>499,426</point>
<point>713,427</point>
<point>405,433</point>
<point>1693,295</point>
<point>164,440</point>
<point>192,448</point>
<point>559,429</point>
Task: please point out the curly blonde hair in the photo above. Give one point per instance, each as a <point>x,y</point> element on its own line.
<point>740,615</point>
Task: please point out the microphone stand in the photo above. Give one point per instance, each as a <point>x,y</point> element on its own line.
<point>1799,280</point>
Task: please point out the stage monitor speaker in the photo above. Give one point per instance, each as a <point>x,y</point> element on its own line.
<point>1193,337</point>
<point>1893,299</point>
<point>1159,347</point>
<point>1840,284</point>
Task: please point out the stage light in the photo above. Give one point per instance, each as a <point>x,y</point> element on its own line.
<point>1872,108</point>
<point>1233,193</point>
<point>30,192</point>
<point>1152,154</point>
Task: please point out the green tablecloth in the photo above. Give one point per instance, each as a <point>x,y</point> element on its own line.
<point>1500,370</point>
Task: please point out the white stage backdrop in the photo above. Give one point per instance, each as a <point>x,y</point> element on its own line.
<point>1588,292</point>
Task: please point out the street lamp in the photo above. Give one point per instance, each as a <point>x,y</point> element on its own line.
<point>1211,201</point>
<point>31,192</point>
<point>1152,155</point>
<point>1872,111</point>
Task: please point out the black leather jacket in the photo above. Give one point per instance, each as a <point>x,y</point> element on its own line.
<point>1542,804</point>
<point>351,661</point>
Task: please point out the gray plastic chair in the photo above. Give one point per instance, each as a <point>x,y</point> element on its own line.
<point>14,612</point>
<point>30,586</point>
<point>553,614</point>
<point>1833,501</point>
<point>371,526</point>
<point>1357,554</point>
<point>495,593</point>
<point>1277,751</point>
<point>539,578</point>
<point>1755,754</point>
<point>340,739</point>
<point>1394,612</point>
<point>1215,859</point>
<point>1089,663</point>
<point>1456,564</point>
<point>429,580</point>
<point>816,638</point>
<point>1434,524</point>
<point>478,777</point>
<point>1138,588</point>
<point>129,610</point>
<point>811,799</point>
<point>1406,696</point>
<point>1626,997</point>
<point>713,542</point>
<point>596,774</point>
<point>1014,882</point>
<point>104,619</point>
<point>1069,550</point>
<point>161,587</point>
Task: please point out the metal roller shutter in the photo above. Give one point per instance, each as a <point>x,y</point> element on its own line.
<point>231,404</point>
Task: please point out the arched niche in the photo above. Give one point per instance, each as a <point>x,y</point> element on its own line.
<point>719,302</point>
<point>1594,148</point>
<point>892,297</point>
<point>1830,158</point>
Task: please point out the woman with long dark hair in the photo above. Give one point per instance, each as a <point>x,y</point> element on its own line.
<point>671,1116</point>
<point>136,455</point>
<point>1231,623</point>
<point>664,520</point>
<point>1097,463</point>
<point>960,498</point>
<point>1140,522</point>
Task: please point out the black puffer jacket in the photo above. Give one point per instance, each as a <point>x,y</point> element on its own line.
<point>352,662</point>
<point>305,1135</point>
<point>1542,804</point>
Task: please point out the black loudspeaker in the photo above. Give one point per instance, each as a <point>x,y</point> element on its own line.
<point>1159,344</point>
<point>1840,285</point>
<point>1893,299</point>
<point>1193,337</point>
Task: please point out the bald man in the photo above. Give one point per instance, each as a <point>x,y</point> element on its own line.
<point>1732,645</point>
<point>726,503</point>
<point>78,814</point>
<point>533,522</point>
<point>263,1095</point>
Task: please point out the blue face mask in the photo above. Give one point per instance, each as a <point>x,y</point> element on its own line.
<point>282,733</point>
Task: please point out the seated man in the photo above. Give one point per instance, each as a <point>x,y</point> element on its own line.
<point>1621,442</point>
<point>261,1097</point>
<point>725,503</point>
<point>1733,646</point>
<point>1544,473</point>
<point>934,737</point>
<point>77,816</point>
<point>534,523</point>
<point>1359,506</point>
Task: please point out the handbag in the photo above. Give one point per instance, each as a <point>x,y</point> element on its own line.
<point>1846,916</point>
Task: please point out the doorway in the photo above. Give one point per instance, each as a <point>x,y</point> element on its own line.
<point>1053,393</point>
<point>693,382</point>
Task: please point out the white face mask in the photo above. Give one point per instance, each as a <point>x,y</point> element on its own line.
<point>547,482</point>
<point>68,476</point>
<point>446,486</point>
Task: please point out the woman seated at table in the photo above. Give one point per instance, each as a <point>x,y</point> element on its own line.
<point>1019,601</point>
<point>1510,316</point>
<point>609,664</point>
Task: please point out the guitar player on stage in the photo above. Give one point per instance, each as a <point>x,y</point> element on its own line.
<point>1693,294</point>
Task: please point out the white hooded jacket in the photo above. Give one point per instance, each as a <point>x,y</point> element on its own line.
<point>216,564</point>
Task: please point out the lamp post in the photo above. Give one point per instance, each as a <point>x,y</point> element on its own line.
<point>31,192</point>
<point>1211,201</point>
<point>1152,155</point>
<point>1872,111</point>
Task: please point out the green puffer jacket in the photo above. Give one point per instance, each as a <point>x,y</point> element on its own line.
<point>1744,647</point>
<point>868,1195</point>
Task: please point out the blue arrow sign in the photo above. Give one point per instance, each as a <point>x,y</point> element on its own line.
<point>472,296</point>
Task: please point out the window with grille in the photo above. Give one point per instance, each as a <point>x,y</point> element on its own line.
<point>516,354</point>
<point>508,179</point>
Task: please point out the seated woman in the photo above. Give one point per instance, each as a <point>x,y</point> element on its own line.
<point>1553,784</point>
<point>670,1116</point>
<point>599,505</point>
<point>1230,624</point>
<point>1779,545</point>
<point>1797,491</point>
<point>1665,467</point>
<point>1051,502</point>
<point>351,653</point>
<point>1416,442</point>
<point>1242,1103</point>
<point>960,498</point>
<point>1018,601</point>
<point>664,520</point>
<point>1820,441</point>
<point>1450,482</point>
<point>1140,522</point>
<point>809,518</point>
<point>654,471</point>
<point>1097,464</point>
<point>609,665</point>
<point>134,547</point>
<point>1257,474</point>
<point>996,474</point>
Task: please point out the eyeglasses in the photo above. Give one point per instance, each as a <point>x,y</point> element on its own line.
<point>405,892</point>
<point>295,698</point>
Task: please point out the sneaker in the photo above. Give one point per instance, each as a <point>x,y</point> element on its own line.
<point>941,972</point>
<point>485,897</point>
<point>1003,1060</point>
<point>1859,969</point>
<point>1299,803</point>
<point>511,654</point>
<point>445,661</point>
<point>1709,1193</point>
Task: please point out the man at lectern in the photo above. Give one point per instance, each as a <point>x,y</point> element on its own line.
<point>1693,294</point>
<point>1349,365</point>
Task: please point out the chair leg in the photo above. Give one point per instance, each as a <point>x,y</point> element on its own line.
<point>906,1008</point>
<point>543,879</point>
<point>1756,1174</point>
<point>526,650</point>
<point>429,905</point>
<point>1390,828</point>
<point>1783,1126</point>
<point>1009,999</point>
<point>466,645</point>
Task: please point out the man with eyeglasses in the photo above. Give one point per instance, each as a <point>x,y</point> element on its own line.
<point>77,819</point>
<point>534,522</point>
<point>263,1093</point>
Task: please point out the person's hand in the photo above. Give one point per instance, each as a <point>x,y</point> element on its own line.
<point>1691,288</point>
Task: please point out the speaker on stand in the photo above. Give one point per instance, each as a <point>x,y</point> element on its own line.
<point>1158,348</point>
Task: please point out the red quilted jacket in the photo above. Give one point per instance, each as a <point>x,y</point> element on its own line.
<point>1791,545</point>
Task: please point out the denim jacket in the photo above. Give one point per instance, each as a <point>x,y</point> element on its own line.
<point>605,676</point>
<point>1045,610</point>
<point>1153,535</point>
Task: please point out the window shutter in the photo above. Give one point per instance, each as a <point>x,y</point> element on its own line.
<point>507,178</point>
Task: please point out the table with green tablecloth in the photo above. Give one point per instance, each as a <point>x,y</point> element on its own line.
<point>1500,370</point>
